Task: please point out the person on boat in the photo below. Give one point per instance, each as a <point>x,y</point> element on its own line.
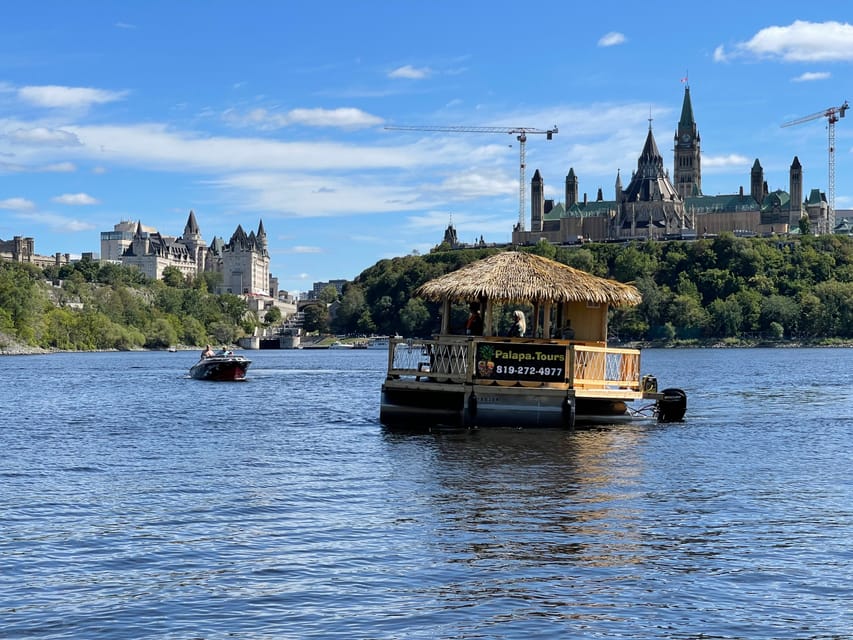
<point>519,325</point>
<point>474,325</point>
<point>208,352</point>
<point>224,351</point>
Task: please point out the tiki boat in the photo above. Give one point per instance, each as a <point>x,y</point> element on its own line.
<point>571,377</point>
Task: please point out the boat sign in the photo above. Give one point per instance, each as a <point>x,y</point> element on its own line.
<point>529,362</point>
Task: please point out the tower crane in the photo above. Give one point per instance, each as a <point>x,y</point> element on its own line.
<point>521,134</point>
<point>832,115</point>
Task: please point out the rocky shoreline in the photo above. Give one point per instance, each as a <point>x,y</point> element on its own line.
<point>11,347</point>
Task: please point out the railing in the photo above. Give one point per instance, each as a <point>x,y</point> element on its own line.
<point>510,361</point>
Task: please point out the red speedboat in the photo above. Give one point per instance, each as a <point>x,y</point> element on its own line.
<point>223,368</point>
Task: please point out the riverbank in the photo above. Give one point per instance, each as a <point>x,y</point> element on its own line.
<point>11,347</point>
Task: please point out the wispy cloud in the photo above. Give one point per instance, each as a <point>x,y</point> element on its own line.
<point>42,136</point>
<point>54,96</point>
<point>410,73</point>
<point>304,249</point>
<point>810,76</point>
<point>801,41</point>
<point>732,160</point>
<point>75,199</point>
<point>124,25</point>
<point>58,167</point>
<point>17,204</point>
<point>342,118</point>
<point>611,39</point>
<point>58,223</point>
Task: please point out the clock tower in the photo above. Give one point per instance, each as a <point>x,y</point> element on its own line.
<point>688,169</point>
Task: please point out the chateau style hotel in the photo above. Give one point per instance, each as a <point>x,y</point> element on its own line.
<point>653,205</point>
<point>243,261</point>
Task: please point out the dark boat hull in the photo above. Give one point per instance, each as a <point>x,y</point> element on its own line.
<point>221,369</point>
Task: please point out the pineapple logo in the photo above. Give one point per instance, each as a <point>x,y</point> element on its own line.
<point>485,363</point>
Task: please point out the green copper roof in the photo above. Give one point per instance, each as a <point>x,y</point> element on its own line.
<point>686,121</point>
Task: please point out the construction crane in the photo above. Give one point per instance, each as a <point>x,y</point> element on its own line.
<point>832,115</point>
<point>521,134</point>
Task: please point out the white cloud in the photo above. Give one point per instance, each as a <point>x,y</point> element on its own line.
<point>305,249</point>
<point>124,25</point>
<point>810,76</point>
<point>58,223</point>
<point>725,161</point>
<point>611,39</point>
<point>720,54</point>
<point>344,118</point>
<point>19,204</point>
<point>54,96</point>
<point>44,137</point>
<point>58,167</point>
<point>155,146</point>
<point>800,41</point>
<point>410,73</point>
<point>75,199</point>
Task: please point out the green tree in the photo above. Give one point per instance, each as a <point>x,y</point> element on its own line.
<point>725,317</point>
<point>415,319</point>
<point>328,294</point>
<point>173,277</point>
<point>350,309</point>
<point>315,317</point>
<point>160,334</point>
<point>272,316</point>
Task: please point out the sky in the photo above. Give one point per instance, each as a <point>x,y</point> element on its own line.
<point>279,112</point>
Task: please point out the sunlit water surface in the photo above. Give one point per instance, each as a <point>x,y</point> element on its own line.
<point>138,503</point>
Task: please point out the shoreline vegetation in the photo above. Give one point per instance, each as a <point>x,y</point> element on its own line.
<point>716,292</point>
<point>11,347</point>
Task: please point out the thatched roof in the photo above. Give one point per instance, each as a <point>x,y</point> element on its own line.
<point>514,276</point>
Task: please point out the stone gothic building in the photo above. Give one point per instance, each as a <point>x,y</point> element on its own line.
<point>243,261</point>
<point>655,206</point>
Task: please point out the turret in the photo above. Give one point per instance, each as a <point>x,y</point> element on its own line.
<point>571,189</point>
<point>756,182</point>
<point>537,202</point>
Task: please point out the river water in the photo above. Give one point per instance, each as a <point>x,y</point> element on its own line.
<point>138,503</point>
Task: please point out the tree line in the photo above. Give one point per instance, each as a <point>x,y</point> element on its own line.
<point>88,305</point>
<point>723,288</point>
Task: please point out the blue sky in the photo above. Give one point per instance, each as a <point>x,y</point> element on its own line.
<point>276,111</point>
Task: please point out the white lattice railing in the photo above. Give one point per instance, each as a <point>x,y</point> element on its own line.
<point>451,359</point>
<point>602,367</point>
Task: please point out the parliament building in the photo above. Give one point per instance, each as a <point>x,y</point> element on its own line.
<point>655,205</point>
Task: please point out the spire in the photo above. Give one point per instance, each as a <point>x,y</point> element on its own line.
<point>650,152</point>
<point>191,228</point>
<point>686,121</point>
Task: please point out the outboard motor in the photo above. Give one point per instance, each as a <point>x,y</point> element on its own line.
<point>673,405</point>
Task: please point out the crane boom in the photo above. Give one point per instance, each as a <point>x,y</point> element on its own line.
<point>521,135</point>
<point>832,115</point>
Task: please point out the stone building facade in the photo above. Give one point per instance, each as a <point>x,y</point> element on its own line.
<point>654,206</point>
<point>243,261</point>
<point>22,249</point>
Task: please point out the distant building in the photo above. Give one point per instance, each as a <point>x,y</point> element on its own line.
<point>654,206</point>
<point>243,261</point>
<point>115,242</point>
<point>314,293</point>
<point>22,249</point>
